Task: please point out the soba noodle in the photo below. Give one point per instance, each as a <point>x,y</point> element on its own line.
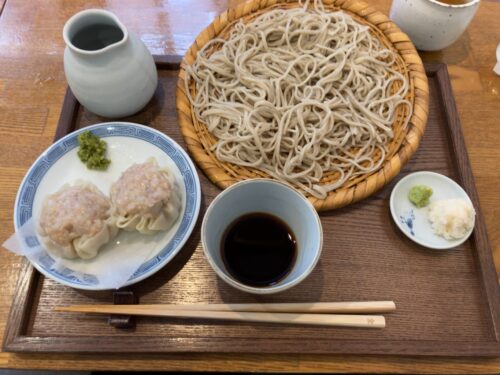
<point>298,93</point>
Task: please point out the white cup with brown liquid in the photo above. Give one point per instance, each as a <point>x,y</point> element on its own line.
<point>431,24</point>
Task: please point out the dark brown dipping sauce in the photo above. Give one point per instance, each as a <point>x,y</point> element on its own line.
<point>455,2</point>
<point>97,36</point>
<point>258,249</point>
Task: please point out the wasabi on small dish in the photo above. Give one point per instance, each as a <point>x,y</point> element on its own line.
<point>419,195</point>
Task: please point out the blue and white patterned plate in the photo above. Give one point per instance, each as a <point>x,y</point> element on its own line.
<point>413,221</point>
<point>127,144</point>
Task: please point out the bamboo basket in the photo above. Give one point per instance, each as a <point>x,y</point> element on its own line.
<point>406,138</point>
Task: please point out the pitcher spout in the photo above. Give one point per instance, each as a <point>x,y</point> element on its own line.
<point>94,31</point>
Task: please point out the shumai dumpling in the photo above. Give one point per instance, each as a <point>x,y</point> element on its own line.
<point>146,198</point>
<point>76,221</point>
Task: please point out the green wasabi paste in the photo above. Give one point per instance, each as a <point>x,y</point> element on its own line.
<point>92,151</point>
<point>419,195</point>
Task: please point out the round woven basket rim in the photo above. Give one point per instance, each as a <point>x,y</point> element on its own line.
<point>225,174</point>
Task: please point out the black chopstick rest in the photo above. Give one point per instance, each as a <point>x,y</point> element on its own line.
<point>124,297</point>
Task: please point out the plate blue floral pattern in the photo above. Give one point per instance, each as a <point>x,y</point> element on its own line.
<point>24,202</point>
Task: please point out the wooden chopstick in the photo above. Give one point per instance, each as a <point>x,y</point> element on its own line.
<point>315,307</point>
<point>364,321</point>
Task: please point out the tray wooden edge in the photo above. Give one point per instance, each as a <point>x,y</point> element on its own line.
<point>15,339</point>
<point>422,349</point>
<point>24,296</point>
<point>479,236</point>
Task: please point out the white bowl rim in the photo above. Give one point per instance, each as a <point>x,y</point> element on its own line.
<point>452,244</point>
<point>237,284</point>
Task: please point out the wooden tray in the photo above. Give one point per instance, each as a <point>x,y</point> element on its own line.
<point>448,301</point>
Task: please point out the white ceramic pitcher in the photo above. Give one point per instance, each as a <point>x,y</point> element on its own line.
<point>432,25</point>
<point>109,69</point>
